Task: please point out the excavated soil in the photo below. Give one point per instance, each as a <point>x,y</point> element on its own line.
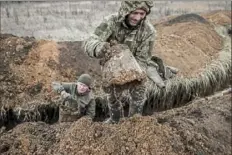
<point>187,45</point>
<point>218,17</point>
<point>28,67</point>
<point>203,127</point>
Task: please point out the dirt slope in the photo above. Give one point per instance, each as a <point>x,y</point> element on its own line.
<point>218,17</point>
<point>188,45</point>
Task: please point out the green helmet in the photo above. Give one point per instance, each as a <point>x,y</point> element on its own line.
<point>86,79</point>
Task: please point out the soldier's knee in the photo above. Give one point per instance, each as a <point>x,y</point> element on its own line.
<point>114,105</point>
<point>138,95</point>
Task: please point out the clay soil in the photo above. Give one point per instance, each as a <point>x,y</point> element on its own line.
<point>28,66</point>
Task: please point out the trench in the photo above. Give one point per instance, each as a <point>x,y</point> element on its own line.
<point>49,113</point>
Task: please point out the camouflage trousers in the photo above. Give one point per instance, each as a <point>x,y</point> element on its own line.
<point>65,116</point>
<point>133,93</point>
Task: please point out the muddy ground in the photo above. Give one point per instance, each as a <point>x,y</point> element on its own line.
<point>28,66</point>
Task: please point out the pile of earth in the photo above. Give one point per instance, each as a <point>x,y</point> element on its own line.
<point>29,66</point>
<point>188,42</point>
<point>203,127</point>
<point>218,17</point>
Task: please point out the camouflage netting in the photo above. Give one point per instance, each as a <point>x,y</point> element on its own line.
<point>37,111</point>
<point>180,91</point>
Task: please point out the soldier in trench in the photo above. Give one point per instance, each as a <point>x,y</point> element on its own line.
<point>130,27</point>
<point>77,99</point>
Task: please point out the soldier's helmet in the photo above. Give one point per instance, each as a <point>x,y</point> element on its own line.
<point>86,79</point>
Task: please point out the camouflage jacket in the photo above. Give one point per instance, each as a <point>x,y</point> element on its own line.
<point>140,39</point>
<point>79,104</point>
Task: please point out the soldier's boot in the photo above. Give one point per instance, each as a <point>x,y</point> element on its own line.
<point>153,74</point>
<point>136,108</point>
<point>114,117</point>
<point>116,112</point>
<point>170,72</point>
<point>174,70</point>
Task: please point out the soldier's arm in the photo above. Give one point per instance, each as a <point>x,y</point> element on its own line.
<point>97,40</point>
<point>91,110</point>
<point>145,56</point>
<point>67,86</point>
<point>143,52</point>
<point>64,88</point>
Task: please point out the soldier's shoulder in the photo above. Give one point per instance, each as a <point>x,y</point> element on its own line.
<point>68,83</point>
<point>91,95</point>
<point>108,21</point>
<point>149,28</point>
<point>111,17</point>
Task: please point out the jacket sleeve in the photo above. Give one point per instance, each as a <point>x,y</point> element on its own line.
<point>144,50</point>
<point>100,35</point>
<point>67,86</point>
<point>91,110</point>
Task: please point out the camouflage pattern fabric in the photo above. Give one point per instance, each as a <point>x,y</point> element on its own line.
<point>140,40</point>
<point>132,93</point>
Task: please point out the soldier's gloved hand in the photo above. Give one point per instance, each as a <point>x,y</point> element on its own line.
<point>57,87</point>
<point>65,95</point>
<point>75,113</point>
<point>102,49</point>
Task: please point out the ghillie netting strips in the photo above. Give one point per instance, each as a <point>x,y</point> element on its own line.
<point>180,91</point>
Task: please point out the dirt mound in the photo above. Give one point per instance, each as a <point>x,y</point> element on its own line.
<point>28,138</point>
<point>218,17</point>
<point>29,67</point>
<point>41,65</point>
<point>187,18</point>
<point>188,46</point>
<point>13,50</point>
<point>203,127</point>
<point>134,136</point>
<point>31,138</point>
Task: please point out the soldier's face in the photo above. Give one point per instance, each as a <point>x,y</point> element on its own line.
<point>82,88</point>
<point>136,16</point>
